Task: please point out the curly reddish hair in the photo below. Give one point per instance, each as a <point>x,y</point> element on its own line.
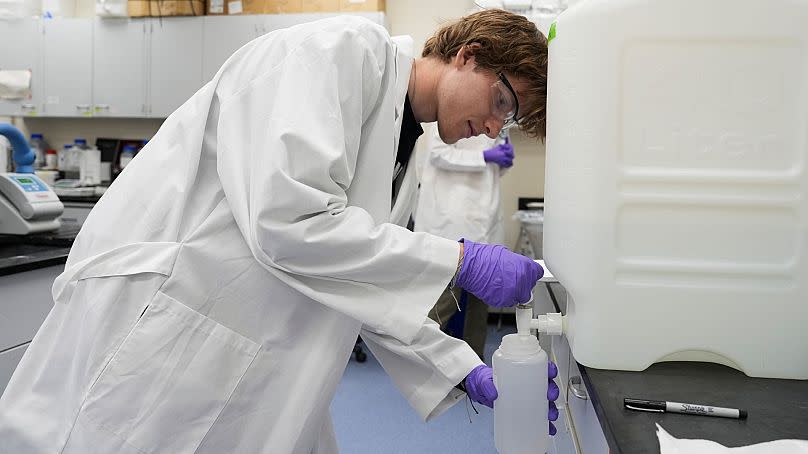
<point>509,43</point>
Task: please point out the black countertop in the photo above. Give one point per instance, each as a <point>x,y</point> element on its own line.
<point>25,253</point>
<point>778,409</point>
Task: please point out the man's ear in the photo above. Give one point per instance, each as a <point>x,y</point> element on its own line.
<point>465,55</point>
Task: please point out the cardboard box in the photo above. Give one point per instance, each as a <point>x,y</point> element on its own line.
<point>320,6</point>
<point>239,7</point>
<point>283,6</point>
<point>216,7</point>
<point>362,5</point>
<point>163,8</point>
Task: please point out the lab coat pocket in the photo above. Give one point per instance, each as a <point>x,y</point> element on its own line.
<point>167,383</point>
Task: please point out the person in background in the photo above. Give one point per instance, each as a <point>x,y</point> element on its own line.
<point>459,197</point>
<point>212,299</point>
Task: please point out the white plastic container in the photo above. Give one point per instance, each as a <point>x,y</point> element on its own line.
<point>676,194</point>
<point>39,147</point>
<point>111,8</point>
<point>90,167</point>
<point>520,411</point>
<point>64,157</point>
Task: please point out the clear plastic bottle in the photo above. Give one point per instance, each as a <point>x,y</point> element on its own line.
<point>64,157</point>
<point>39,147</point>
<point>520,411</point>
<point>126,156</point>
<point>76,154</point>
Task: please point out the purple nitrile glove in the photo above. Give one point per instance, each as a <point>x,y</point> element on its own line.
<point>496,275</point>
<point>480,388</point>
<point>501,155</point>
<point>552,395</point>
<point>480,385</point>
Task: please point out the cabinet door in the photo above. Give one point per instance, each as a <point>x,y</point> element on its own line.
<point>223,35</point>
<point>8,363</point>
<point>582,413</point>
<point>67,53</point>
<point>25,53</point>
<point>119,67</point>
<point>26,301</point>
<point>175,63</point>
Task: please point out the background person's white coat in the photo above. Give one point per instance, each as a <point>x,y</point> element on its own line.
<point>460,193</point>
<point>212,299</point>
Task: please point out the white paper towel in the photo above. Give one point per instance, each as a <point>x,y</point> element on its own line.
<point>15,84</point>
<point>671,445</point>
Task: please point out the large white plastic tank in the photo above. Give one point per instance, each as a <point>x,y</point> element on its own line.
<point>676,198</point>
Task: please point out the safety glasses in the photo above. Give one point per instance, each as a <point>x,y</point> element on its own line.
<point>504,104</point>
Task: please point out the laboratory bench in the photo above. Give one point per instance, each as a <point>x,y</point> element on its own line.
<point>593,420</point>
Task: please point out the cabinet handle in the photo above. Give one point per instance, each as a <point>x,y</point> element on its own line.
<point>83,107</point>
<point>577,387</point>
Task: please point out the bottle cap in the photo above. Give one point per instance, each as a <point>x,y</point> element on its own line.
<point>518,345</point>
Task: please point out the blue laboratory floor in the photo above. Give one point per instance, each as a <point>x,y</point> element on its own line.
<point>370,416</point>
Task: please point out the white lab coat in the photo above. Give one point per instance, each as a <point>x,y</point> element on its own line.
<point>212,299</point>
<point>460,192</point>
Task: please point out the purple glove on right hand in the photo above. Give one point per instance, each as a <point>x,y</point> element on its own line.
<point>496,275</point>
<point>480,385</point>
<point>501,155</point>
<point>480,388</point>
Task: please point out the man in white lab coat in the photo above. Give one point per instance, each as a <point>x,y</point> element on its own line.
<point>212,299</point>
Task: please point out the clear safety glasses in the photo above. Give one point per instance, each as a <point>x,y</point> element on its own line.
<point>504,104</point>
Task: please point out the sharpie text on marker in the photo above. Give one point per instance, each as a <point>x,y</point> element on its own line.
<point>660,406</point>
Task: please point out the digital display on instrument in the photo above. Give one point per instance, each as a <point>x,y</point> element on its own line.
<point>25,180</point>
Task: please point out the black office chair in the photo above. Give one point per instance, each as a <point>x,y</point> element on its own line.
<point>361,356</point>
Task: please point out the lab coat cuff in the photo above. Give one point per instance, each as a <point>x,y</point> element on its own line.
<point>439,394</point>
<point>407,317</point>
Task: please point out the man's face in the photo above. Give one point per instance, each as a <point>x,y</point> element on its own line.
<point>466,100</point>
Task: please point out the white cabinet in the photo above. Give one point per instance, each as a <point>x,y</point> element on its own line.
<point>67,60</point>
<point>22,49</point>
<point>127,67</point>
<point>582,433</point>
<point>175,64</point>
<point>223,35</point>
<point>26,301</point>
<point>119,67</point>
<point>9,360</point>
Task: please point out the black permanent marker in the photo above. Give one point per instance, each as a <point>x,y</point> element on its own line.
<point>661,406</point>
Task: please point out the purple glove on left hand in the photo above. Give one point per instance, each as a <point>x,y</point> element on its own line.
<point>501,155</point>
<point>480,388</point>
